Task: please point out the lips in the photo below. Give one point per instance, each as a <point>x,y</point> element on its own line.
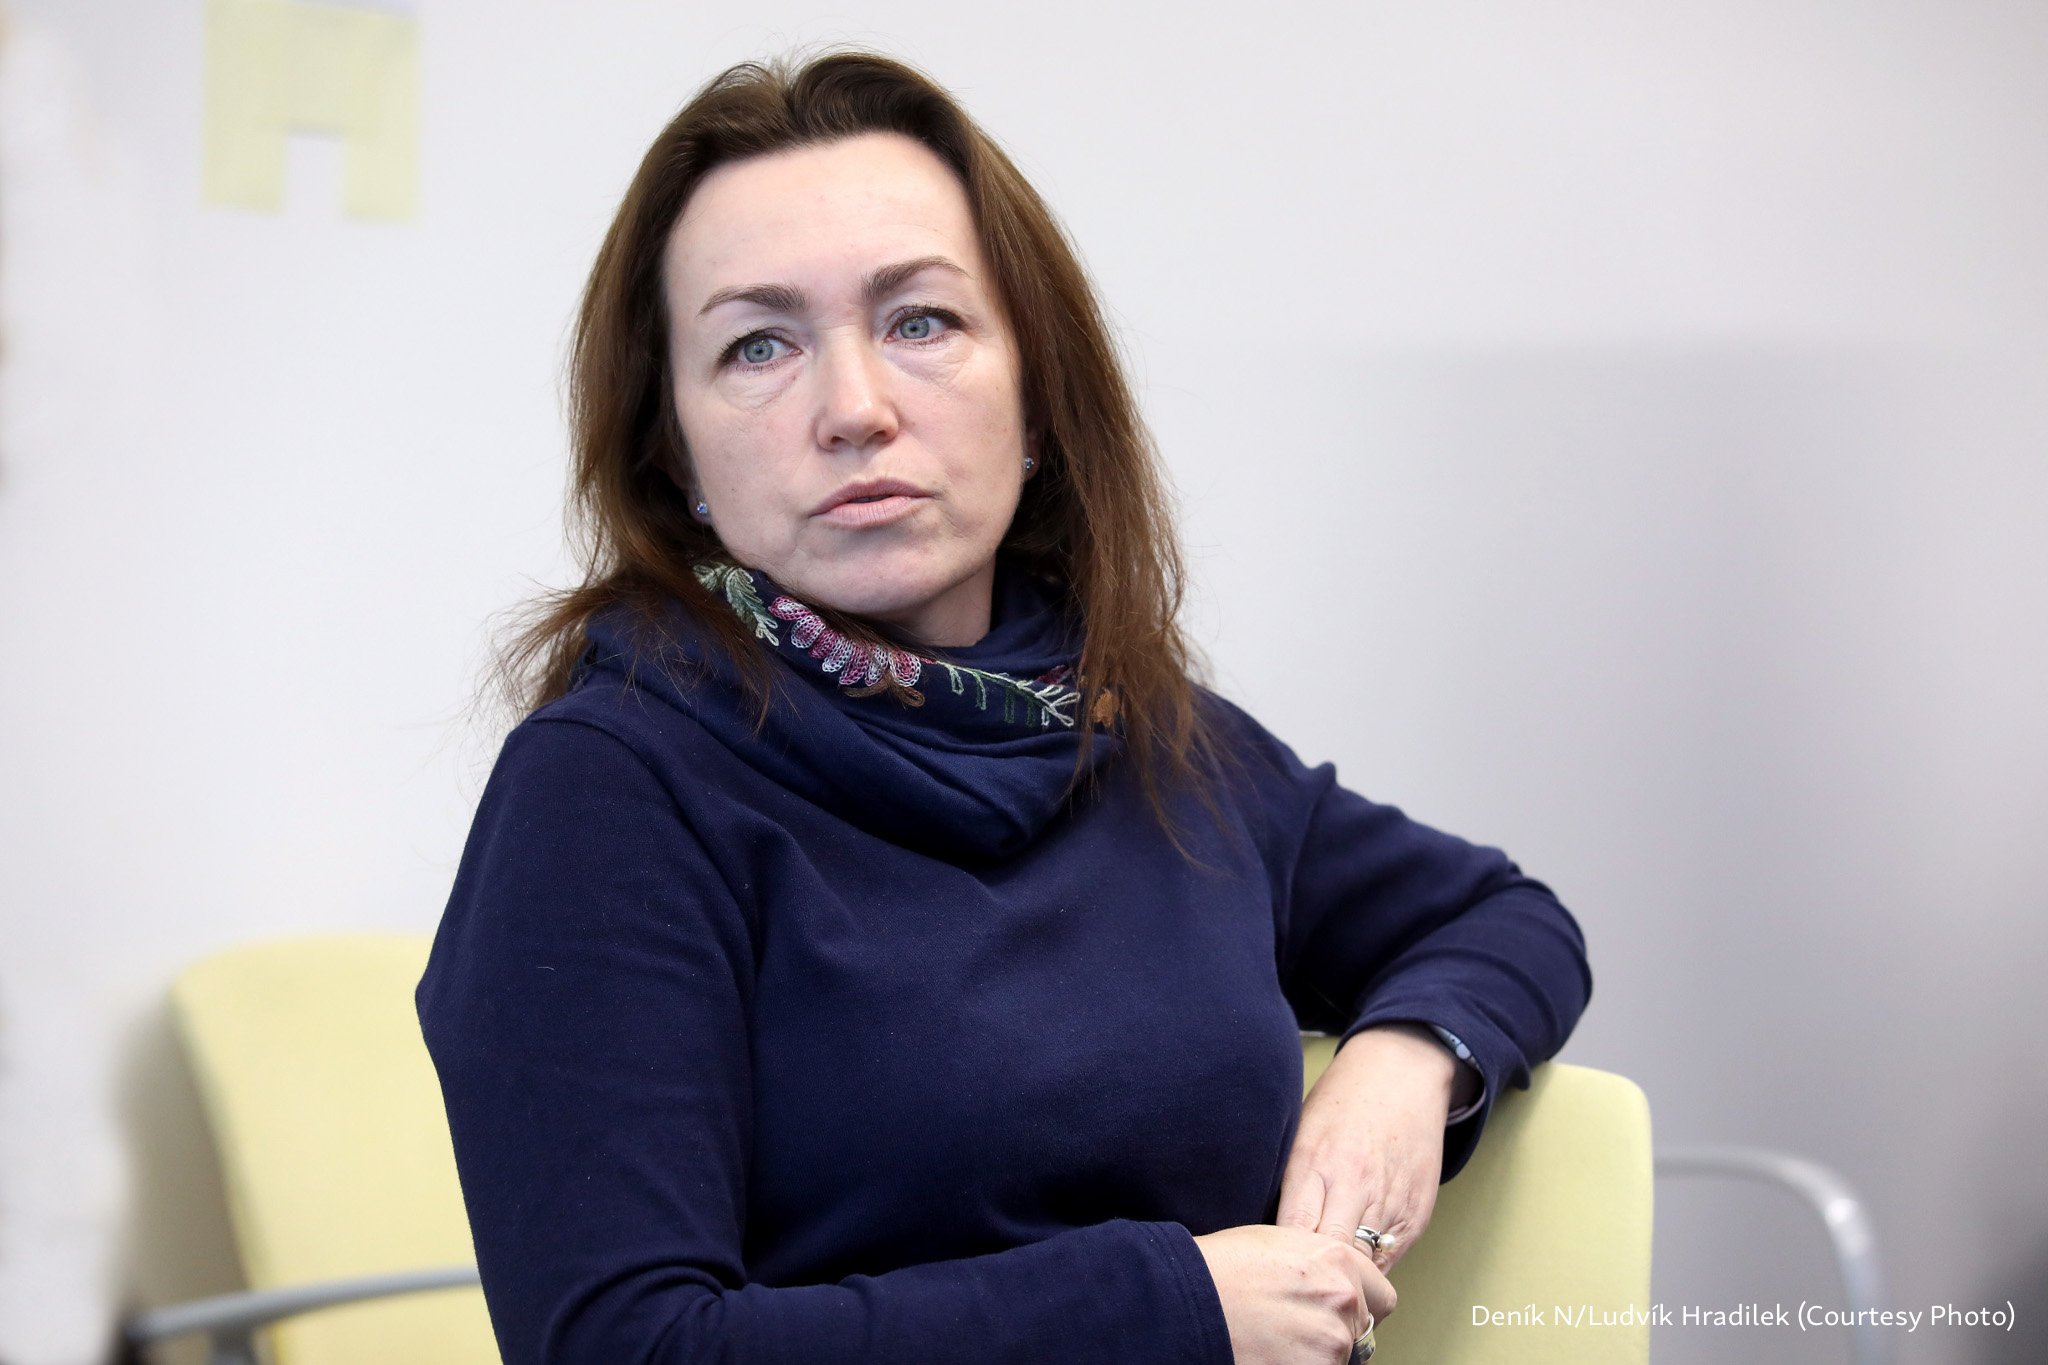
<point>869,490</point>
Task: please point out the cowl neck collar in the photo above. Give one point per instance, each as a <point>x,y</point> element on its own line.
<point>959,752</point>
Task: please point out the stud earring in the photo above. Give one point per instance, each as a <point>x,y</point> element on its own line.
<point>1029,464</point>
<point>703,508</point>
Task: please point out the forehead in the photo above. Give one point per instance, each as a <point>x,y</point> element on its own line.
<point>820,215</point>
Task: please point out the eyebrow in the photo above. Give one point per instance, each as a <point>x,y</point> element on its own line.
<point>785,298</point>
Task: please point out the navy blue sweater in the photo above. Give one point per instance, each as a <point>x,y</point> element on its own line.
<point>863,1041</point>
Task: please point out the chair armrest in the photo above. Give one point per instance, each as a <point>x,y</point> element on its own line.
<point>232,1319</point>
<point>1828,1195</point>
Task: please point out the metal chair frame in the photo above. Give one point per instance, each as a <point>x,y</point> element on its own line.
<point>1841,1213</point>
<point>234,1319</point>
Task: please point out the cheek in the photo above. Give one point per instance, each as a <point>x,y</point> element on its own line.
<point>742,500</point>
<point>992,428</point>
<point>737,465</point>
<point>998,481</point>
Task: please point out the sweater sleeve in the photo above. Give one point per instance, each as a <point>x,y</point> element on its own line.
<point>1382,919</point>
<point>586,1006</point>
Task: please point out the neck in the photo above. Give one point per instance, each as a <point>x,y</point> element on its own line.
<point>956,618</point>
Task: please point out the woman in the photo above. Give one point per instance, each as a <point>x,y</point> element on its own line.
<point>873,945</point>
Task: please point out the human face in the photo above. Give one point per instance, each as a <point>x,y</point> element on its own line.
<point>833,325</point>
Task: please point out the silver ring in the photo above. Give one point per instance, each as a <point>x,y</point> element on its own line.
<point>1362,1349</point>
<point>1378,1241</point>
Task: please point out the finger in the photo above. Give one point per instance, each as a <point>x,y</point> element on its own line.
<point>1363,1347</point>
<point>1375,1289</point>
<point>1302,1195</point>
<point>1347,1206</point>
<point>1400,1217</point>
<point>1393,1230</point>
<point>1385,1201</point>
<point>1412,1223</point>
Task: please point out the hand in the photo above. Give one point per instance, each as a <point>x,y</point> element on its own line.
<point>1370,1145</point>
<point>1293,1297</point>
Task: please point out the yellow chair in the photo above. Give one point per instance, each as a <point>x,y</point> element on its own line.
<point>1553,1210</point>
<point>334,1152</point>
<point>342,1193</point>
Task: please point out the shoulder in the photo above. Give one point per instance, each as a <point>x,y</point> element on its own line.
<point>1252,755</point>
<point>609,705</point>
<point>606,740</point>
<point>1267,781</point>
<point>598,780</point>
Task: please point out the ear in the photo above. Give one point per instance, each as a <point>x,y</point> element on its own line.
<point>675,459</point>
<point>677,467</point>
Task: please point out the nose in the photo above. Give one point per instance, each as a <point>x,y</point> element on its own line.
<point>856,400</point>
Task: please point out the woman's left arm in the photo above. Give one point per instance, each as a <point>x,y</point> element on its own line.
<point>1394,927</point>
<point>1393,934</point>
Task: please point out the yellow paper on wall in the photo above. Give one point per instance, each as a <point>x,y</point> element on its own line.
<point>275,67</point>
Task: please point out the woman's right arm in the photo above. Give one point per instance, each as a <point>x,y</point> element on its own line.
<point>586,1005</point>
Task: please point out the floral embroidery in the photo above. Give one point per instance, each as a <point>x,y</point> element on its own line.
<point>1052,701</point>
<point>868,669</point>
<point>738,587</point>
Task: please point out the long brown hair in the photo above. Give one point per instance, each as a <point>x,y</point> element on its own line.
<point>1096,517</point>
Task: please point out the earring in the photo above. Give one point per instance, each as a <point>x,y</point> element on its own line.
<point>703,508</point>
<point>1029,464</point>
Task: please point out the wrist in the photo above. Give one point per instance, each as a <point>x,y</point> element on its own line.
<point>1425,1049</point>
<point>1415,1049</point>
<point>1471,1082</point>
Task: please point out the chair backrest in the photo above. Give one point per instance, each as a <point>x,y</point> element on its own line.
<point>1553,1210</point>
<point>334,1152</point>
<point>332,1141</point>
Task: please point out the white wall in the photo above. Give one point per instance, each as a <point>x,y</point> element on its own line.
<point>1611,431</point>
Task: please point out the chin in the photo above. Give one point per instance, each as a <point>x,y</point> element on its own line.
<point>875,590</point>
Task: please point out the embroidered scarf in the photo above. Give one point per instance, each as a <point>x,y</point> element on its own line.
<point>867,669</point>
<point>967,755</point>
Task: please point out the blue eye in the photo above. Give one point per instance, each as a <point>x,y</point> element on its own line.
<point>755,350</point>
<point>749,348</point>
<point>925,315</point>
